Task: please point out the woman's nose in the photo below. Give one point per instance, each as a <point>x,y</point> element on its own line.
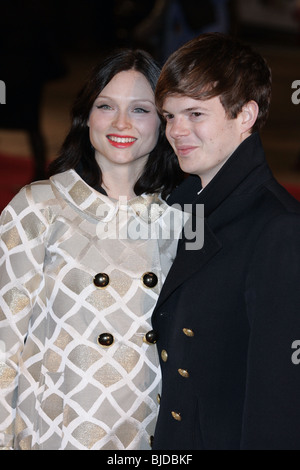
<point>121,121</point>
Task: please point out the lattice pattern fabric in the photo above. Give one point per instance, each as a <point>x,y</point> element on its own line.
<point>60,388</point>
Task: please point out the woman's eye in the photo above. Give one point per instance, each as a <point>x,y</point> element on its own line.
<point>103,106</point>
<point>168,117</point>
<point>140,110</point>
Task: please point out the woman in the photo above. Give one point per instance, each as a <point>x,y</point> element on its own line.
<point>83,258</point>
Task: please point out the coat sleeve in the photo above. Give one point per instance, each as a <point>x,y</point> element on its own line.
<point>22,229</point>
<point>271,418</point>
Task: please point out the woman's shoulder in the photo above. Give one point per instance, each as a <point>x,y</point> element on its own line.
<point>36,193</point>
<point>38,198</point>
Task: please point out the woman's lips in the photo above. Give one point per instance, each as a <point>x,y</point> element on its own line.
<point>121,141</point>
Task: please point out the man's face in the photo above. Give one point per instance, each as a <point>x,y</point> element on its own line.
<point>201,134</point>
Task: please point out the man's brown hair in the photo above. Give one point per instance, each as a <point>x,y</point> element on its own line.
<point>216,64</point>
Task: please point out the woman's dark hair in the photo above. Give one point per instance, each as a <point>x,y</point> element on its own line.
<point>161,172</point>
<point>216,64</point>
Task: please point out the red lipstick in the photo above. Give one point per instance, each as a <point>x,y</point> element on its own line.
<point>121,141</point>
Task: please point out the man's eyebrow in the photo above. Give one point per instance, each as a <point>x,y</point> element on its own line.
<point>188,110</point>
<point>196,108</point>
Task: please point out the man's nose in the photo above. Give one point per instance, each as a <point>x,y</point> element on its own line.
<point>177,128</point>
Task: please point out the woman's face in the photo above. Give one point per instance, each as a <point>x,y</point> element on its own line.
<point>124,124</point>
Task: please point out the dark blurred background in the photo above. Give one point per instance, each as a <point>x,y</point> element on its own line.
<point>47,49</point>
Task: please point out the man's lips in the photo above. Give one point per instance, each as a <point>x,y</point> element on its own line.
<point>184,150</point>
<point>121,141</point>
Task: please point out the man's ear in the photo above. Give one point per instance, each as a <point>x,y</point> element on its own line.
<point>248,115</point>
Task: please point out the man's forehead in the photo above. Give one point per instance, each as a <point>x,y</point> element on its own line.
<point>187,103</point>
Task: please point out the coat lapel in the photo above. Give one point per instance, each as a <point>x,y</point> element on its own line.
<point>187,262</point>
<point>247,158</point>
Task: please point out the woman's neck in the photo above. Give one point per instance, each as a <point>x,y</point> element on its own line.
<point>119,180</point>
<point>115,189</point>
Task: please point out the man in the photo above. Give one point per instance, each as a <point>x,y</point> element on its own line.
<point>228,317</point>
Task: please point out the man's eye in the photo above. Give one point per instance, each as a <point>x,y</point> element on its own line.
<point>197,114</point>
<point>168,117</point>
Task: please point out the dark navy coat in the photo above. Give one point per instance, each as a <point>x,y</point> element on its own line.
<point>228,317</point>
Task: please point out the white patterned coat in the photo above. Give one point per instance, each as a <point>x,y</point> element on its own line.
<point>60,388</point>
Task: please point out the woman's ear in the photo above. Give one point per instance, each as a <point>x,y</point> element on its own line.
<point>249,115</point>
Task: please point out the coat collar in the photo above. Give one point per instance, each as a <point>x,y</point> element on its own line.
<point>73,189</point>
<point>248,157</point>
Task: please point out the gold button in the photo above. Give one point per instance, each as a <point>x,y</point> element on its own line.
<point>158,398</point>
<point>164,355</point>
<point>188,332</point>
<point>176,416</point>
<point>184,373</point>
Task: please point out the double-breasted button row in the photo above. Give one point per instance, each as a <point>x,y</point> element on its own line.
<point>190,334</point>
<point>149,279</point>
<point>164,354</point>
<point>107,339</point>
<point>182,372</point>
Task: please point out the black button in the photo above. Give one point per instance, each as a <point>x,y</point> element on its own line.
<point>101,280</point>
<point>151,337</point>
<point>106,339</point>
<point>150,280</point>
